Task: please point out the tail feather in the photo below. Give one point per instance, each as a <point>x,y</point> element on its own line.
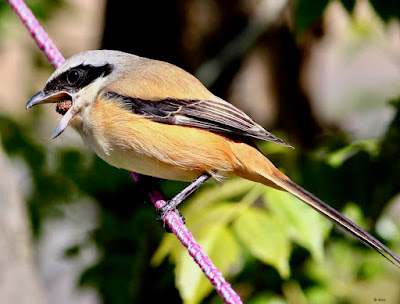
<point>336,217</point>
<point>254,166</point>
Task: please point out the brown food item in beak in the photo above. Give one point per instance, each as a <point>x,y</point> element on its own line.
<point>63,106</point>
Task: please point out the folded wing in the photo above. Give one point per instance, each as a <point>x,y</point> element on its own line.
<point>212,115</point>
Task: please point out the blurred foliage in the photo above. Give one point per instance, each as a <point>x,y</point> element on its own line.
<point>308,12</point>
<point>386,9</point>
<point>268,226</point>
<point>42,9</point>
<point>246,231</point>
<point>271,246</point>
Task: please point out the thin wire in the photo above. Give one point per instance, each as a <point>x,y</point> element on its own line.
<point>173,221</point>
<point>37,32</point>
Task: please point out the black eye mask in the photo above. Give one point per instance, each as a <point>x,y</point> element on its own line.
<point>77,77</point>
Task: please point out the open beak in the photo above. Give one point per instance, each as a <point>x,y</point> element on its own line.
<point>43,97</point>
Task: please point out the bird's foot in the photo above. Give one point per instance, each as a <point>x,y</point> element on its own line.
<point>163,211</point>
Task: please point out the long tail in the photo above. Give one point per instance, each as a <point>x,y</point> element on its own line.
<point>257,167</point>
<point>338,219</point>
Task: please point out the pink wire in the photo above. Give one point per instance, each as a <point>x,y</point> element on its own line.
<point>172,219</point>
<point>37,32</point>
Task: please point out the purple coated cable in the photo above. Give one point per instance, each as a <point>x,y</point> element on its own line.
<point>37,32</point>
<point>173,221</point>
<point>176,225</point>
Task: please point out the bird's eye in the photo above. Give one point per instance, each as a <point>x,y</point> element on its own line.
<point>73,77</point>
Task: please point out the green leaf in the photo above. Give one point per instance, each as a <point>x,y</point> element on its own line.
<point>293,292</point>
<point>197,222</point>
<point>169,246</point>
<point>308,12</point>
<point>265,238</point>
<point>317,295</point>
<point>338,157</point>
<point>267,298</point>
<point>220,245</point>
<point>354,213</point>
<point>231,189</point>
<point>302,223</point>
<point>201,220</point>
<point>221,211</point>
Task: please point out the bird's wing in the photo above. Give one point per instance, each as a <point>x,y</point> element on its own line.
<point>212,115</point>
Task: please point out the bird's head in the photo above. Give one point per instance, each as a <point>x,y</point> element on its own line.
<point>75,85</point>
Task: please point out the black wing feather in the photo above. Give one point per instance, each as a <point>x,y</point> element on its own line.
<point>212,115</point>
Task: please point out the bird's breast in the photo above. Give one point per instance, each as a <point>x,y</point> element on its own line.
<point>134,143</point>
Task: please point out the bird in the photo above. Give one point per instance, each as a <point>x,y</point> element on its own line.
<point>154,118</point>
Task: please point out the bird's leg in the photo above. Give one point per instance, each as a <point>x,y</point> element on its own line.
<point>177,199</point>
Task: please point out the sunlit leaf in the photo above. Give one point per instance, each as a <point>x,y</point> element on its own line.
<point>293,292</point>
<point>338,157</point>
<point>317,295</point>
<point>388,225</point>
<point>267,299</point>
<point>265,238</point>
<point>219,212</point>
<point>169,246</point>
<point>303,224</point>
<point>229,190</point>
<point>341,265</point>
<point>200,220</point>
<point>223,211</point>
<point>354,213</point>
